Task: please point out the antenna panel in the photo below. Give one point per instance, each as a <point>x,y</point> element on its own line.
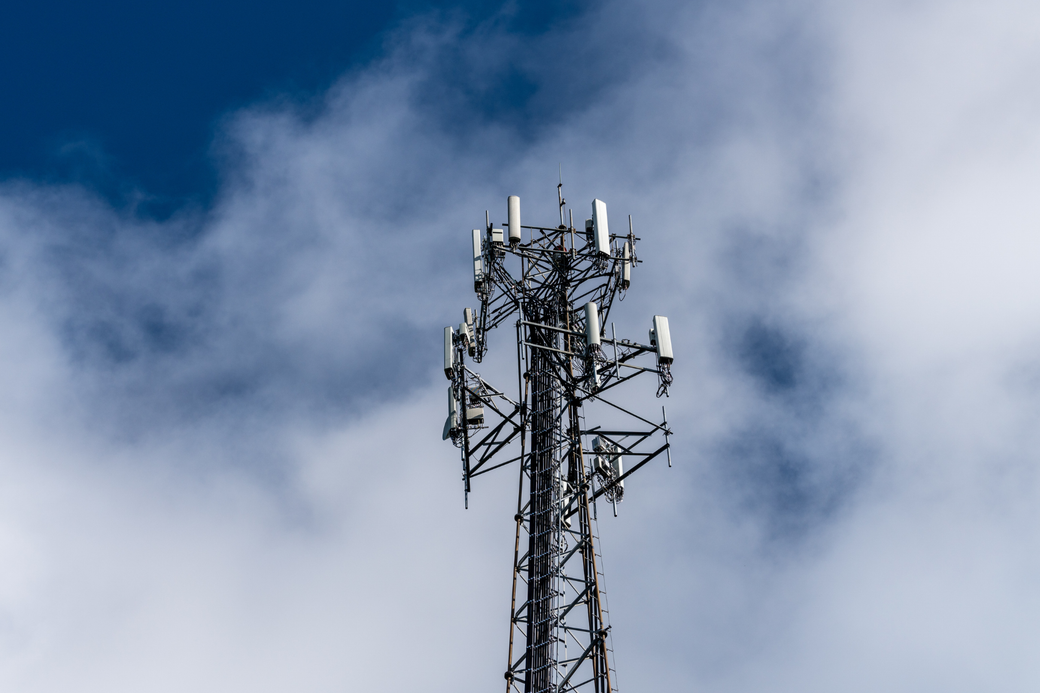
<point>600,230</point>
<point>478,262</point>
<point>514,219</point>
<point>449,352</point>
<point>661,338</point>
<point>452,422</point>
<point>592,338</point>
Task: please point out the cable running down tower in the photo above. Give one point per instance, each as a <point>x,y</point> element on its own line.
<point>556,286</point>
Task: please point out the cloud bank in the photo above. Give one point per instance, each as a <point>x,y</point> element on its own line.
<point>221,459</point>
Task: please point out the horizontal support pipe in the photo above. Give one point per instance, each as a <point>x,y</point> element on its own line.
<point>548,348</point>
<point>555,329</point>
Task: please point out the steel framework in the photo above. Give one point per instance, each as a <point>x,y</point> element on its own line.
<point>557,285</point>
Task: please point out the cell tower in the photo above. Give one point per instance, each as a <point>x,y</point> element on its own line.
<point>557,286</point>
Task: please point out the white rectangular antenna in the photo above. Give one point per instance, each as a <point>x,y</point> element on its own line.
<point>471,331</point>
<point>661,338</point>
<point>478,262</point>
<point>600,230</point>
<point>514,219</point>
<point>466,336</point>
<point>449,352</point>
<point>591,325</point>
<point>452,423</point>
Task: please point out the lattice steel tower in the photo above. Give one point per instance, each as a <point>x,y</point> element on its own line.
<point>557,285</point>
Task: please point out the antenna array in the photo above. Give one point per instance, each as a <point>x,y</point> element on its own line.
<point>557,286</point>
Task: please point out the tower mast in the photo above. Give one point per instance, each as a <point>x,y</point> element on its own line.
<point>559,297</point>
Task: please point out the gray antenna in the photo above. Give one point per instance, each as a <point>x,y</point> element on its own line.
<point>558,302</point>
<point>559,191</point>
<point>632,239</point>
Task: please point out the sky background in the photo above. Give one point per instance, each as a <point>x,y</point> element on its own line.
<point>230,238</point>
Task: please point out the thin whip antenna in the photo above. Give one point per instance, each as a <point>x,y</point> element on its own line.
<point>559,191</point>
<point>573,247</point>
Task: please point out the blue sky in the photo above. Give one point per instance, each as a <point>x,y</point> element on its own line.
<point>230,239</point>
<point>127,98</point>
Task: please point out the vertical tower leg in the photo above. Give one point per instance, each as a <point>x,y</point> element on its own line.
<point>541,634</point>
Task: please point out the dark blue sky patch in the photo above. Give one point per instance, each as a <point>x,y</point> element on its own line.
<point>534,18</point>
<point>774,358</point>
<point>128,291</point>
<point>112,327</point>
<point>159,332</point>
<point>777,482</point>
<point>794,458</point>
<point>152,376</point>
<point>786,366</point>
<point>124,97</point>
<point>170,340</point>
<point>790,481</point>
<point>114,340</point>
<point>527,77</point>
<point>144,82</point>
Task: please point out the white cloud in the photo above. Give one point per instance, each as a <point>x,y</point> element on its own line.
<point>220,457</point>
